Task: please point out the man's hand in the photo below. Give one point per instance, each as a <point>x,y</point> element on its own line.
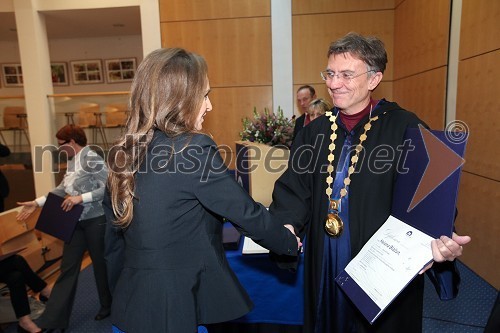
<point>447,249</point>
<point>292,230</point>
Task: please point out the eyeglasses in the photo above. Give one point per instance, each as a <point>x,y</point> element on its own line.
<point>65,142</point>
<point>345,77</point>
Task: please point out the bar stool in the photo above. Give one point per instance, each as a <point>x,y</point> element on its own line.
<point>70,120</point>
<point>89,117</point>
<point>116,116</point>
<point>23,124</point>
<point>99,128</point>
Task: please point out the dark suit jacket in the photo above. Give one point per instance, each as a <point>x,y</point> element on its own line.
<point>299,124</point>
<point>175,274</point>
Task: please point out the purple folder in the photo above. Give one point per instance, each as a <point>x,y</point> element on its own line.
<point>422,202</point>
<point>53,220</point>
<point>426,203</point>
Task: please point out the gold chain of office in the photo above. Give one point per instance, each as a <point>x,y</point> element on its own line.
<point>334,224</point>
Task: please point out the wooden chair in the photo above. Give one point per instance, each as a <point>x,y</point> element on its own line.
<point>15,120</point>
<point>116,116</point>
<point>89,117</point>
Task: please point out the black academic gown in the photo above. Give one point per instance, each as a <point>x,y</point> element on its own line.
<point>299,198</point>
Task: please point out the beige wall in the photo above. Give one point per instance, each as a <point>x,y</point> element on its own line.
<point>69,49</point>
<point>478,105</point>
<point>234,36</point>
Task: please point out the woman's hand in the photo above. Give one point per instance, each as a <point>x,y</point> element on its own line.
<point>70,202</point>
<point>28,208</point>
<point>292,230</point>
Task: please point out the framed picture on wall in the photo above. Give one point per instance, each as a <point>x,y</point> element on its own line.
<point>120,70</point>
<point>12,75</point>
<point>59,72</point>
<point>86,71</point>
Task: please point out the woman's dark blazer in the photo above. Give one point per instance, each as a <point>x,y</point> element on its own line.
<point>175,274</point>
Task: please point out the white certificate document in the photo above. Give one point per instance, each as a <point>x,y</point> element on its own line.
<point>389,261</point>
<point>250,247</point>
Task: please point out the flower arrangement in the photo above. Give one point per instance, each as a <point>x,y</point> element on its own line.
<point>268,128</point>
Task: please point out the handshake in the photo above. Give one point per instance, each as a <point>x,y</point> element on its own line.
<point>292,230</point>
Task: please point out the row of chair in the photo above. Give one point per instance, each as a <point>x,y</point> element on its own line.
<point>89,116</point>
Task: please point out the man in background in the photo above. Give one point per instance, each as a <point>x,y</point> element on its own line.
<point>305,94</point>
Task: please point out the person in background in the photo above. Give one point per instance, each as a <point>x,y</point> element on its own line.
<point>169,192</point>
<point>305,94</point>
<point>17,274</point>
<point>307,193</point>
<point>84,183</point>
<point>317,108</point>
<point>4,185</point>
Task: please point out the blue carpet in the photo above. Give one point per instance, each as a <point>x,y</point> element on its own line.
<point>85,308</point>
<point>467,313</point>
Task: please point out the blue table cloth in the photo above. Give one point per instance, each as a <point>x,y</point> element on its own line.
<point>276,293</point>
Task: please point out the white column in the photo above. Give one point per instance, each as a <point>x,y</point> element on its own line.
<point>453,59</point>
<point>281,31</point>
<point>35,61</point>
<point>150,26</point>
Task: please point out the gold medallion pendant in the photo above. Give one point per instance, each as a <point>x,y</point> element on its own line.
<point>334,225</point>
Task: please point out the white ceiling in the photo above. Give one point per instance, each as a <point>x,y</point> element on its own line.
<point>83,23</point>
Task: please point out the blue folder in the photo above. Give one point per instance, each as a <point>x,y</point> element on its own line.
<point>425,196</point>
<point>435,213</point>
<point>53,220</point>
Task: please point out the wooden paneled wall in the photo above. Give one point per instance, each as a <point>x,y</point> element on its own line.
<point>478,105</point>
<point>317,23</point>
<point>421,58</point>
<point>235,39</point>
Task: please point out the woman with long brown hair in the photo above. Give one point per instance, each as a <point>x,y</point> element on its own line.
<point>169,191</point>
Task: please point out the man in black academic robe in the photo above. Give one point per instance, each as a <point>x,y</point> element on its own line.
<point>299,194</point>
